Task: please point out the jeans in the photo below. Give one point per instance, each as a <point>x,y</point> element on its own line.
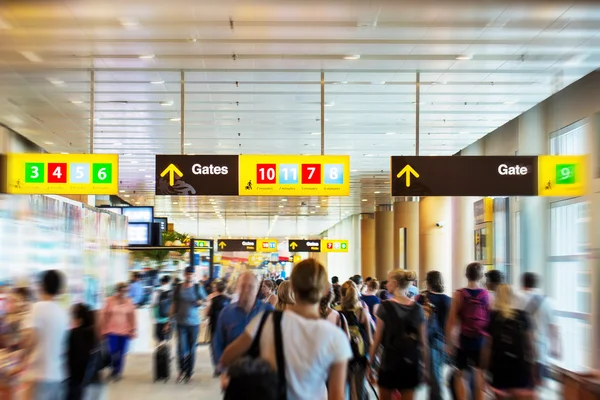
<point>436,367</point>
<point>118,349</point>
<point>49,391</point>
<point>187,336</point>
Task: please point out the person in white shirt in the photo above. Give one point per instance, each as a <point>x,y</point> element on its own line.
<point>45,344</point>
<point>316,352</point>
<point>541,312</point>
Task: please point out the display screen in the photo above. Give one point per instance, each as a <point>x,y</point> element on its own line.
<point>138,234</point>
<point>139,214</point>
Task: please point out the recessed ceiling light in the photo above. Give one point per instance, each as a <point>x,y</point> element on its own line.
<point>352,57</point>
<point>129,23</point>
<point>312,212</point>
<point>390,133</point>
<point>157,82</point>
<point>175,203</point>
<point>56,81</point>
<point>48,143</point>
<point>284,200</point>
<point>353,170</point>
<point>166,103</point>
<point>377,192</point>
<point>315,133</point>
<point>31,56</point>
<point>137,202</point>
<point>464,57</point>
<point>365,200</point>
<point>76,101</point>
<point>64,152</point>
<point>126,195</point>
<point>331,104</point>
<point>317,206</point>
<point>212,200</point>
<point>281,206</point>
<point>323,200</point>
<point>121,191</point>
<point>146,56</point>
<point>174,119</point>
<point>187,144</point>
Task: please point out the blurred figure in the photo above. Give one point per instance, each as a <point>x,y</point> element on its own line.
<point>436,307</point>
<point>493,279</point>
<point>358,281</point>
<point>82,352</point>
<point>12,323</point>
<point>370,297</point>
<point>541,312</point>
<point>119,326</point>
<point>162,301</point>
<point>251,379</point>
<point>402,331</point>
<point>235,317</point>
<point>337,290</point>
<point>470,310</point>
<point>267,289</point>
<point>509,349</point>
<point>382,293</point>
<point>327,312</point>
<point>206,284</point>
<point>366,284</point>
<point>136,289</point>
<point>218,302</point>
<point>412,289</point>
<point>285,296</point>
<point>25,298</point>
<point>45,337</point>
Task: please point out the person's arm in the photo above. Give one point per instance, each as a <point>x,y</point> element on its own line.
<point>336,384</point>
<point>366,323</point>
<point>452,320</point>
<point>237,349</point>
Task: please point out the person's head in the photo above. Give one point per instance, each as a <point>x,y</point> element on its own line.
<point>285,296</point>
<point>383,285</point>
<point>189,274</point>
<point>530,281</point>
<point>82,315</point>
<point>267,287</point>
<point>504,300</point>
<point>204,277</point>
<point>351,298</point>
<point>308,281</point>
<point>278,282</point>
<point>399,279</point>
<point>121,289</point>
<point>474,272</point>
<point>493,278</point>
<point>251,379</point>
<point>165,280</point>
<point>52,282</point>
<point>357,279</point>
<point>373,285</point>
<point>219,285</point>
<point>23,293</point>
<point>176,281</point>
<point>335,280</point>
<point>435,281</point>
<point>369,279</point>
<point>247,288</point>
<point>137,276</point>
<point>346,285</point>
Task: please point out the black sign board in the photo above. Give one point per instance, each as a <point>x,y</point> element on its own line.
<point>236,244</point>
<point>301,245</point>
<point>202,175</point>
<point>464,176</point>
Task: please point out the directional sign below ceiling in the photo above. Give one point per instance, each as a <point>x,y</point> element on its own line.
<point>236,244</point>
<point>304,246</point>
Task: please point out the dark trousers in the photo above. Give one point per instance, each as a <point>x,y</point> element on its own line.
<point>187,336</point>
<point>118,349</point>
<point>160,333</point>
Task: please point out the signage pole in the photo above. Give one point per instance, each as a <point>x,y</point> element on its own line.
<point>322,113</point>
<point>418,112</point>
<point>182,117</point>
<point>92,106</point>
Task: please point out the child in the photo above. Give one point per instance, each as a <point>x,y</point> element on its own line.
<point>82,351</point>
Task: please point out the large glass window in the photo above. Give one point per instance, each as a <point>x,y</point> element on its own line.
<point>569,141</point>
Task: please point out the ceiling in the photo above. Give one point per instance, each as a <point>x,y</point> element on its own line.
<point>252,85</point>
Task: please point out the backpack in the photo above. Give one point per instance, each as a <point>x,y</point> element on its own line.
<point>218,303</point>
<point>474,313</point>
<point>401,342</point>
<point>358,337</point>
<point>431,315</point>
<point>165,299</point>
<point>508,341</point>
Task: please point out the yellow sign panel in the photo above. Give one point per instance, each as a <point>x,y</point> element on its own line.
<point>267,175</point>
<point>562,176</point>
<point>334,246</point>
<point>296,258</point>
<point>267,245</point>
<point>62,174</point>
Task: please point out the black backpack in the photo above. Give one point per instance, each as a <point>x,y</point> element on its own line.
<point>165,299</point>
<point>402,342</point>
<point>509,342</point>
<point>217,304</point>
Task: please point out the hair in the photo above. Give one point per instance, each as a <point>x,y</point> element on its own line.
<point>494,277</point>
<point>269,283</point>
<point>309,279</point>
<point>369,279</point>
<point>373,284</point>
<point>356,279</point>
<point>83,313</point>
<point>530,280</point>
<point>52,282</point>
<point>285,296</point>
<point>24,292</point>
<point>220,285</point>
<point>326,301</point>
<point>165,279</point>
<point>119,286</point>
<point>335,280</point>
<point>346,285</point>
<point>403,277</point>
<point>137,275</point>
<point>474,272</point>
<point>435,281</point>
<point>278,282</point>
<point>383,285</point>
<point>251,379</point>
<point>503,301</point>
<point>189,270</point>
<point>351,299</point>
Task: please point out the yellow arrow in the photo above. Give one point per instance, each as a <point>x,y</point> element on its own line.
<point>293,245</point>
<point>222,245</point>
<point>408,170</point>
<point>171,170</point>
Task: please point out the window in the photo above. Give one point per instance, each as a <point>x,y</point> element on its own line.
<point>570,140</point>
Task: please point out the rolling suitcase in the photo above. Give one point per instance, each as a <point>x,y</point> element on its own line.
<point>162,362</point>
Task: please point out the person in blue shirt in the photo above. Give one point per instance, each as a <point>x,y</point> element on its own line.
<point>136,290</point>
<point>235,317</point>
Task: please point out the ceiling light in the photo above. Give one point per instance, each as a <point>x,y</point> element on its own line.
<point>187,144</point>
<point>76,101</point>
<point>48,143</point>
<point>312,212</point>
<point>315,133</point>
<point>377,192</point>
<point>121,191</point>
<point>353,170</point>
<point>212,200</point>
<point>464,57</point>
<point>137,202</point>
<point>126,195</point>
<point>146,56</point>
<point>148,176</point>
<point>281,206</point>
<point>31,56</point>
<point>317,206</point>
<point>352,57</point>
<point>64,152</point>
<point>330,104</point>
<point>174,119</point>
<point>56,81</point>
<point>323,200</point>
<point>365,200</point>
<point>166,103</point>
<point>368,155</point>
<point>283,199</point>
<point>390,133</point>
<point>157,82</point>
<point>343,82</point>
<point>175,203</point>
<point>129,23</point>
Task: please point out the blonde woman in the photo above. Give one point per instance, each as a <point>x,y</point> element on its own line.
<point>402,331</point>
<point>285,296</point>
<point>508,349</point>
<point>358,320</point>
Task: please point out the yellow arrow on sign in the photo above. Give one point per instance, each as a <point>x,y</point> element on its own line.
<point>171,170</point>
<point>293,245</point>
<point>408,170</point>
<point>222,245</point>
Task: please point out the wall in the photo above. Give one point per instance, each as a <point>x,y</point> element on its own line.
<point>344,265</point>
<point>12,142</point>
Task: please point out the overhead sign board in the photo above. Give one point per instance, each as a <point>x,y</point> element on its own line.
<point>304,246</point>
<point>76,174</point>
<point>237,245</point>
<point>564,176</point>
<point>252,175</point>
<point>334,246</point>
<point>203,244</point>
<point>267,245</point>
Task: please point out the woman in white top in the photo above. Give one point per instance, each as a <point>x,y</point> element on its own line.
<point>316,352</point>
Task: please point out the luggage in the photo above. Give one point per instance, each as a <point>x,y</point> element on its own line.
<point>162,362</point>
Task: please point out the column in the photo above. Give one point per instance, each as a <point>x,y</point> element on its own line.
<point>367,245</point>
<point>434,238</point>
<point>463,251</point>
<point>406,216</point>
<point>384,241</point>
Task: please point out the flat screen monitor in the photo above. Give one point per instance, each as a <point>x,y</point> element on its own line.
<point>139,214</point>
<point>164,223</point>
<point>138,234</point>
<point>116,210</point>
